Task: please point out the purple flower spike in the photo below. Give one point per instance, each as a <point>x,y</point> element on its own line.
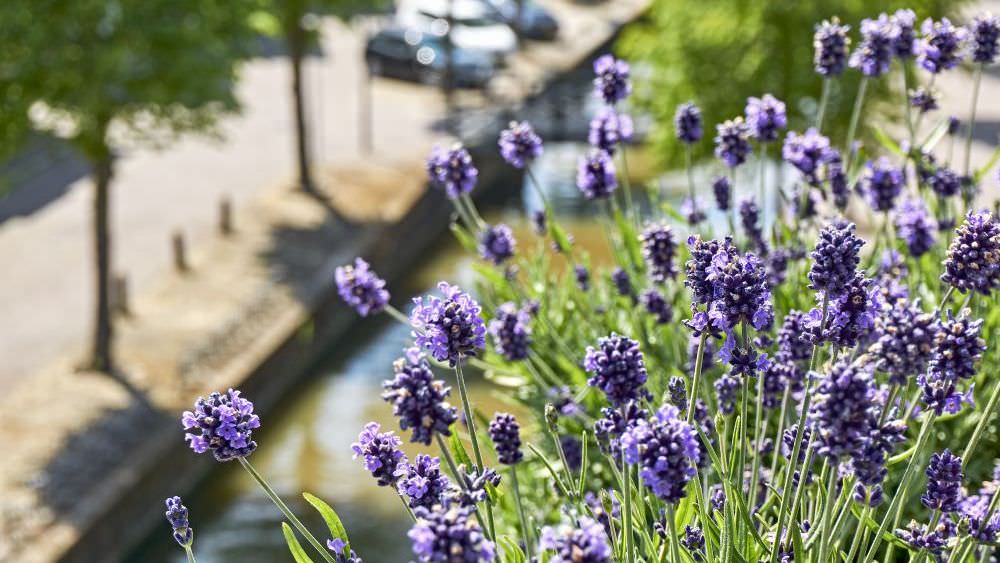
<point>973,260</point>
<point>906,337</point>
<point>449,534</point>
<point>582,277</point>
<point>807,152</point>
<point>595,175</point>
<point>659,248</point>
<point>657,306</point>
<point>831,45</point>
<point>941,47</point>
<point>511,332</point>
<point>923,100</point>
<point>380,453</point>
<point>985,30</point>
<point>916,227</point>
<point>361,288</point>
<point>622,283</point>
<point>874,54</point>
<point>612,82</point>
<point>667,452</point>
<point>842,410</point>
<point>958,347</point>
<point>698,268</point>
<point>617,369</point>
<point>882,182</point>
<point>418,400</point>
<point>765,117</point>
<point>687,123</point>
<point>224,424</point>
<point>177,515</point>
<point>740,292</point>
<point>337,545</point>
<point>450,328</point>
<point>452,170</point>
<point>732,145</point>
<point>608,129</point>
<point>422,482</point>
<point>496,243</point>
<point>835,258</point>
<point>586,542</point>
<point>723,191</point>
<point>519,144</point>
<point>506,436</point>
<point>944,482</point>
<point>903,35</point>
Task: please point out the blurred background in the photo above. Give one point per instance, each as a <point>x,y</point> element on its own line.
<point>179,178</point>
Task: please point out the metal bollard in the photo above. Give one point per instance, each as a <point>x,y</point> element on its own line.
<point>180,252</point>
<point>119,295</point>
<point>225,217</point>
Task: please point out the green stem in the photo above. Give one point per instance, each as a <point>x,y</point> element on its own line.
<point>520,512</point>
<point>904,483</point>
<point>450,461</point>
<point>627,187</point>
<point>696,379</point>
<point>856,542</point>
<point>473,212</point>
<point>981,425</point>
<point>470,420</point>
<point>398,315</point>
<point>325,553</point>
<point>675,550</point>
<point>826,535</point>
<point>690,171</point>
<point>627,525</point>
<point>859,102</point>
<point>972,118</point>
<point>824,99</point>
<point>406,505</point>
<point>189,553</point>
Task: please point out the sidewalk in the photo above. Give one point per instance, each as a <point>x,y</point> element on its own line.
<point>77,445</point>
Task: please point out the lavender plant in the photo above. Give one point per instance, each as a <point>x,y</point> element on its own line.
<point>766,403</point>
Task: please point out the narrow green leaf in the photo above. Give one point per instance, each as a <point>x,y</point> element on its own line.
<point>298,554</point>
<point>333,522</point>
<point>458,450</point>
<point>982,172</point>
<point>467,241</point>
<point>581,486</point>
<point>886,141</point>
<point>552,470</point>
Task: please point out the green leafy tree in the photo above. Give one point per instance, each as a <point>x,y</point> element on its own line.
<point>719,53</point>
<point>102,73</point>
<point>292,20</point>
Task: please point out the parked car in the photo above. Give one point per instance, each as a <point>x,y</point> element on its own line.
<point>411,54</point>
<point>475,24</point>
<point>535,23</point>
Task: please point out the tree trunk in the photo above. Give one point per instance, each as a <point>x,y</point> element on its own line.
<point>101,355</point>
<point>296,52</point>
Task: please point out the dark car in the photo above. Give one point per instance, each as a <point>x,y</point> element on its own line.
<point>535,22</point>
<point>414,55</point>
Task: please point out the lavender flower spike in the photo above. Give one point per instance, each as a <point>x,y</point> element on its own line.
<point>418,400</point>
<point>519,144</point>
<point>177,515</point>
<point>659,248</point>
<point>916,227</point>
<point>973,260</point>
<point>942,45</point>
<point>496,243</point>
<point>874,54</point>
<point>807,152</point>
<point>506,436</point>
<point>452,170</point>
<point>944,482</point>
<point>687,123</point>
<point>449,534</point>
<point>380,453</point>
<point>831,45</point>
<point>732,145</point>
<point>617,368</point>
<point>765,117</point>
<point>612,82</point>
<point>666,450</point>
<point>422,481</point>
<point>511,332</point>
<point>224,424</point>
<point>361,288</point>
<point>903,36</point>
<point>608,129</point>
<point>835,258</point>
<point>595,175</point>
<point>450,328</point>
<point>587,542</point>
<point>882,182</point>
<point>985,30</point>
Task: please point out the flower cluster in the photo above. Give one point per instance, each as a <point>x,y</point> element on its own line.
<point>449,534</point>
<point>944,482</point>
<point>617,369</point>
<point>224,423</point>
<point>882,182</point>
<point>973,261</point>
<point>596,175</point>
<point>723,191</point>
<point>807,152</point>
<point>765,116</point>
<point>941,46</point>
<point>985,32</point>
<point>835,258</point>
<point>732,145</point>
<point>422,482</point>
<point>740,292</point>
<point>666,450</point>
<point>177,515</point>
<point>496,243</point>
<point>687,123</point>
<point>452,170</point>
<point>905,342</point>
<point>874,54</point>
<point>841,410</point>
<point>380,453</point>
<point>450,328</point>
<point>608,129</point>
<point>361,288</point>
<point>519,144</point>
<point>916,227</point>
<point>511,332</point>
<point>657,305</point>
<point>506,436</point>
<point>831,45</point>
<point>612,82</point>
<point>586,542</point>
<point>419,400</point>
<point>658,250</point>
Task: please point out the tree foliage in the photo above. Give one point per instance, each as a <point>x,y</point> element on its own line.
<point>719,53</point>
